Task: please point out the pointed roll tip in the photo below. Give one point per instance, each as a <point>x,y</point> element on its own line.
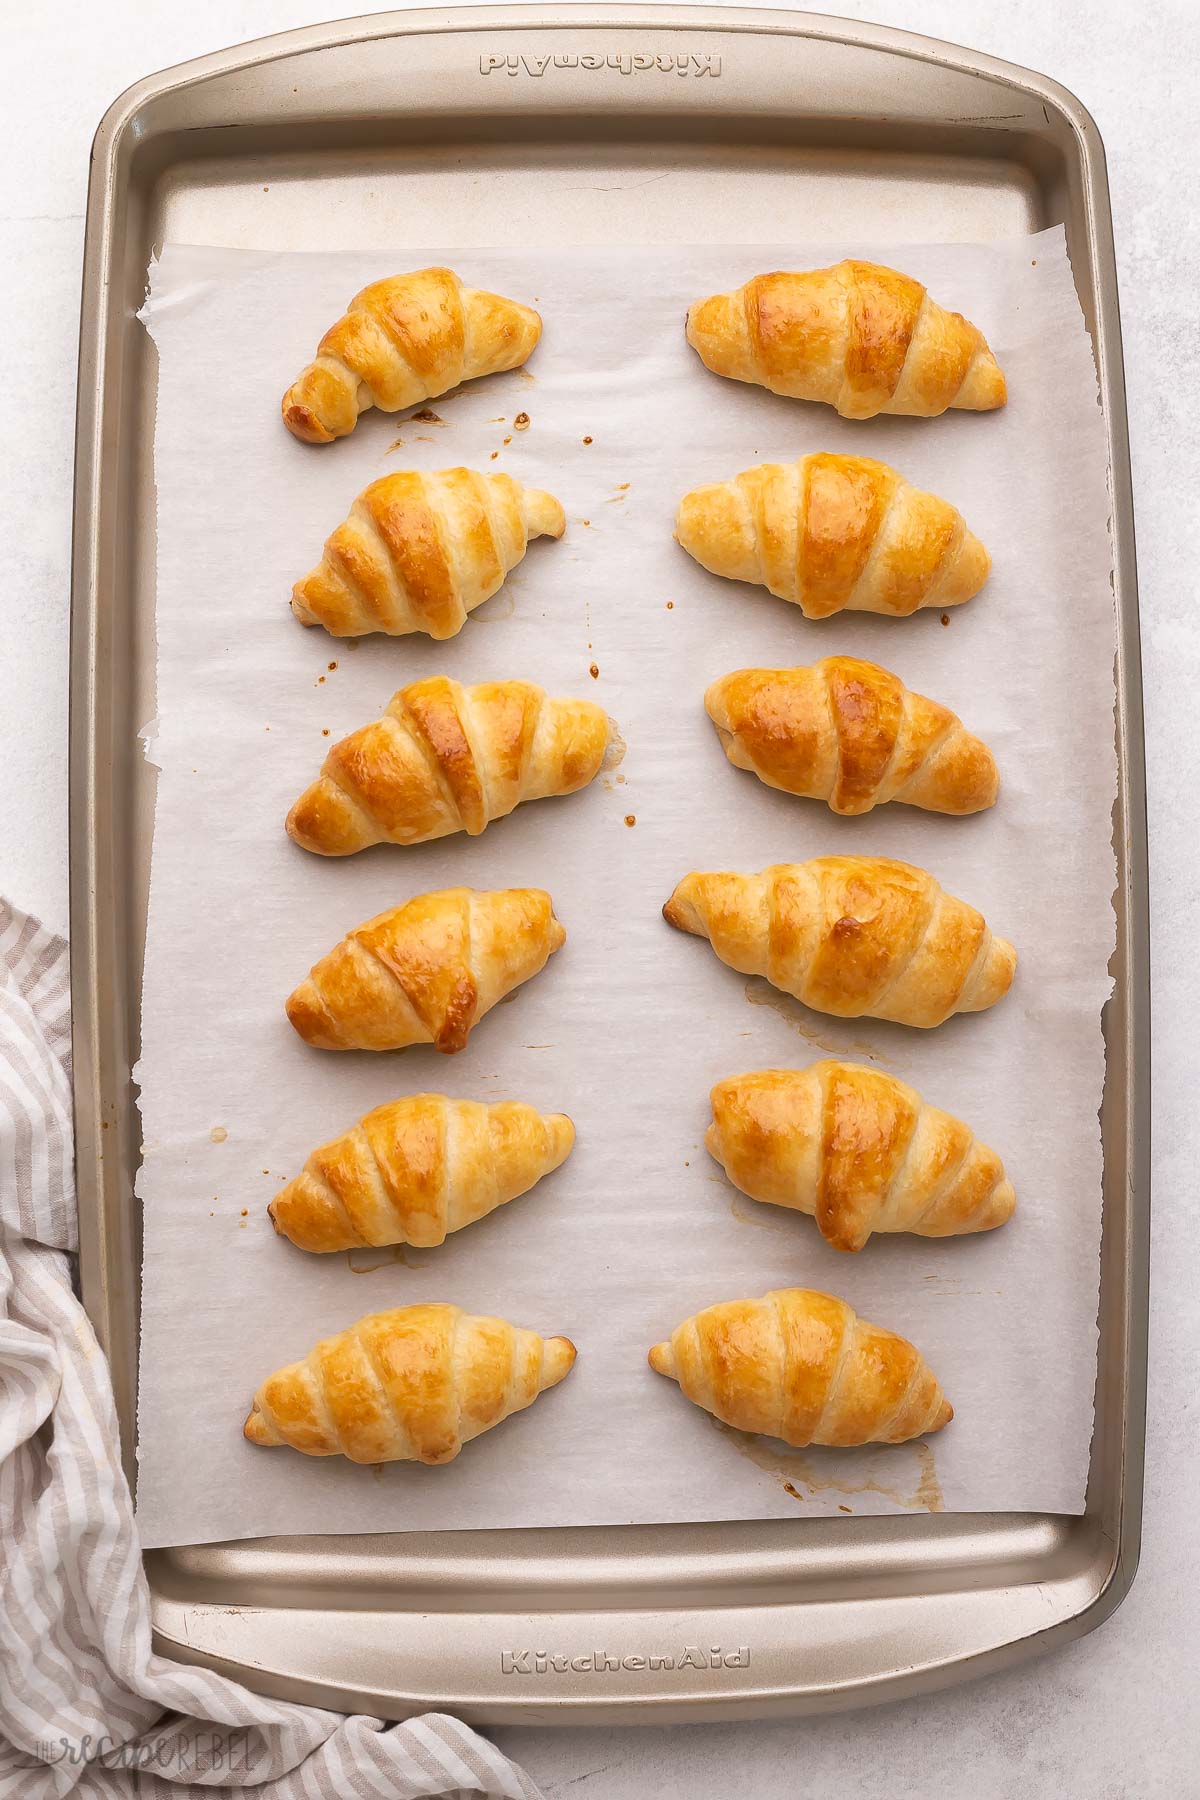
<point>301,420</point>
<point>1001,1206</point>
<point>323,821</point>
<point>710,525</point>
<point>255,1427</point>
<point>702,522</point>
<point>562,1136</point>
<point>706,324</point>
<point>300,607</point>
<point>985,388</point>
<point>591,742</point>
<point>544,515</point>
<point>945,1413</point>
<point>558,1359</point>
<point>1002,966</point>
<point>294,823</point>
<point>680,909</point>
<point>532,321</point>
<point>718,330</point>
<point>983,776</point>
<point>662,1360</point>
<point>307,1016</point>
<point>969,574</point>
<point>725,711</point>
<point>685,514</point>
<point>615,747</point>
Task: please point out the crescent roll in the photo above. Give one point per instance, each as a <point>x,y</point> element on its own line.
<point>425,972</point>
<point>851,734</point>
<point>858,336</point>
<point>801,1366</point>
<point>855,936</point>
<point>856,1150</point>
<point>834,534</point>
<point>411,1385</point>
<point>406,339</point>
<point>417,1169</point>
<point>421,551</point>
<point>447,758</point>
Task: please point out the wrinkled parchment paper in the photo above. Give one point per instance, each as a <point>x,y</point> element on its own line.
<point>631,1023</point>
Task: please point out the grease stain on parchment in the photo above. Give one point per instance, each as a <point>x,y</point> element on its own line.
<point>766,1218</point>
<point>795,1470</point>
<point>759,992</point>
<point>387,1257</point>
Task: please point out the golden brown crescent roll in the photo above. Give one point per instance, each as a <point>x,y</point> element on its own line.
<point>405,339</point>
<point>801,1366</point>
<point>418,1168</point>
<point>851,935</point>
<point>856,1150</point>
<point>411,1385</point>
<point>447,758</point>
<point>425,972</point>
<point>851,734</point>
<point>420,551</point>
<point>858,336</point>
<point>834,534</point>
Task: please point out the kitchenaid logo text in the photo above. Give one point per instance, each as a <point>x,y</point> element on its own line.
<point>602,1662</point>
<point>628,62</point>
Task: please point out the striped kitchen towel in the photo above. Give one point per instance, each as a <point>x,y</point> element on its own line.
<point>86,1707</point>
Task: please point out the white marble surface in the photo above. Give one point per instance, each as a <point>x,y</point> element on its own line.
<point>1113,1717</point>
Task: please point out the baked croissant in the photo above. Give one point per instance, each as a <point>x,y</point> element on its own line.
<point>851,734</point>
<point>402,340</point>
<point>420,551</point>
<point>447,758</point>
<point>411,1385</point>
<point>834,534</point>
<point>851,935</point>
<point>416,1169</point>
<point>425,972</point>
<point>856,1150</point>
<point>858,336</point>
<point>801,1366</point>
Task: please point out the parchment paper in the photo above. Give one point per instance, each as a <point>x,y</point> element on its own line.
<point>631,1023</point>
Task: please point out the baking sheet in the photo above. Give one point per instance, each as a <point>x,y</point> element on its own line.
<point>631,1023</point>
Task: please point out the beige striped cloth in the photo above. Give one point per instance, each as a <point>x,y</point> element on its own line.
<point>86,1706</point>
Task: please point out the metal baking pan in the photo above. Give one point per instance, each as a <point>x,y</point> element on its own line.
<point>420,127</point>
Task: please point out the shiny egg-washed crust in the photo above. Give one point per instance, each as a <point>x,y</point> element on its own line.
<point>834,534</point>
<point>801,1366</point>
<point>420,551</point>
<point>858,336</point>
<point>447,758</point>
<point>411,1385</point>
<point>425,972</point>
<point>855,936</point>
<point>402,340</point>
<point>850,733</point>
<point>856,1150</point>
<point>416,1169</point>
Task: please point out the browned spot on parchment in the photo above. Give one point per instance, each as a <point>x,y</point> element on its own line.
<point>759,992</point>
<point>794,1469</point>
<point>386,1259</point>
